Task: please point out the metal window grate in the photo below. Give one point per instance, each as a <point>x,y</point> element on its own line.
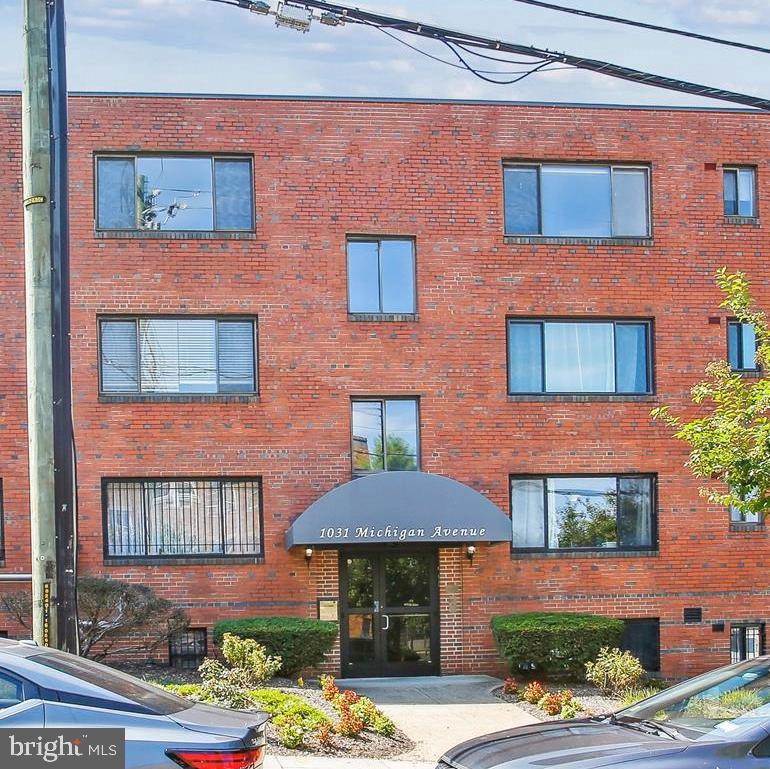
<point>187,650</point>
<point>182,517</point>
<point>746,642</point>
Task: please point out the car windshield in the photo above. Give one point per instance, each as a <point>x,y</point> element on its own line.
<point>146,695</point>
<point>714,704</point>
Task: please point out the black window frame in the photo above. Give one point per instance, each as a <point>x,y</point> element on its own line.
<point>654,541</point>
<point>213,156</point>
<point>147,557</point>
<point>2,522</point>
<point>734,169</point>
<point>757,368</point>
<point>539,164</point>
<point>649,323</point>
<point>743,627</point>
<point>141,394</point>
<point>383,399</point>
<point>378,239</point>
<point>174,654</point>
<point>627,645</point>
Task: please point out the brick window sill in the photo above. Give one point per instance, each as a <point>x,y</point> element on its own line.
<point>170,235</point>
<point>749,373</point>
<point>738,527</point>
<point>582,554</point>
<point>748,221</point>
<point>381,317</point>
<point>544,240</point>
<point>578,398</point>
<point>191,561</point>
<point>179,398</point>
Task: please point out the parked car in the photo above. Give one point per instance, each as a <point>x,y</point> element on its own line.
<point>719,719</point>
<point>41,687</point>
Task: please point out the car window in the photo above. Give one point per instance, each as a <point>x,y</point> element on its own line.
<point>11,692</point>
<point>156,700</point>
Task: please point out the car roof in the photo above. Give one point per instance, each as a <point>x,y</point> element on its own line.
<point>22,648</point>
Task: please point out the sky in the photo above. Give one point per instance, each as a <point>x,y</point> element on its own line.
<point>197,46</point>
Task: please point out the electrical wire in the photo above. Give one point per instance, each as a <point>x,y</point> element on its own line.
<point>479,75</point>
<point>644,25</point>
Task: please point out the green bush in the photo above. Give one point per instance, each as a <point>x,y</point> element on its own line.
<point>556,645</point>
<point>300,643</point>
<point>614,671</point>
<point>278,703</point>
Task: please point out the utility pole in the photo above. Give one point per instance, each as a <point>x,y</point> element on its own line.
<point>46,257</point>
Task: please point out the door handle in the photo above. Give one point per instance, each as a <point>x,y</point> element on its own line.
<point>387,622</point>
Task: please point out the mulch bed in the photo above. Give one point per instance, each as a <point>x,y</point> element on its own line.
<point>594,702</point>
<point>367,745</point>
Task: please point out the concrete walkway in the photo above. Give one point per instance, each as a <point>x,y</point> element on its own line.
<point>314,762</point>
<point>436,712</point>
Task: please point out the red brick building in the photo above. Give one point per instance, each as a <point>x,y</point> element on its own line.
<point>272,297</point>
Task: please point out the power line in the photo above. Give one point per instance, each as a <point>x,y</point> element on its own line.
<point>644,25</point>
<point>345,14</point>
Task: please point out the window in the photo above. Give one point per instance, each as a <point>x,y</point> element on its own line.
<point>591,512</point>
<point>742,346</point>
<point>2,523</point>
<point>381,276</point>
<point>385,434</point>
<point>187,650</point>
<point>577,201</point>
<point>174,193</point>
<point>178,356</point>
<point>182,517</point>
<point>579,357</point>
<point>746,642</point>
<point>641,637</point>
<point>740,185</point>
<point>11,691</point>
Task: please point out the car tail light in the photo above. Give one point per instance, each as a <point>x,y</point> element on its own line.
<point>247,758</point>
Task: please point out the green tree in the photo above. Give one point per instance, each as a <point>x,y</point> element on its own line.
<point>730,437</point>
<point>588,524</point>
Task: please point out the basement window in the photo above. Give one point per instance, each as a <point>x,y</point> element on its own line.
<point>187,650</point>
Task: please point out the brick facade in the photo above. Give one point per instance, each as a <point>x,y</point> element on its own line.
<point>328,169</point>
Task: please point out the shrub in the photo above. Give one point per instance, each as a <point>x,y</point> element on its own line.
<point>571,709</point>
<point>637,694</point>
<point>372,717</point>
<point>329,689</point>
<point>510,687</point>
<point>325,736</point>
<point>348,697</point>
<point>300,643</point>
<point>614,671</point>
<point>291,734</point>
<point>349,725</point>
<point>553,703</point>
<point>533,693</point>
<point>250,658</point>
<point>279,704</point>
<point>554,644</point>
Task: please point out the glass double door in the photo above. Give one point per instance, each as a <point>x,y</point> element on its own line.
<point>389,613</point>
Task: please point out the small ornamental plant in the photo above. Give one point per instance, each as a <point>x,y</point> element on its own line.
<point>571,709</point>
<point>329,689</point>
<point>533,693</point>
<point>348,697</point>
<point>325,736</point>
<point>551,704</point>
<point>510,687</point>
<point>349,725</point>
<point>615,671</point>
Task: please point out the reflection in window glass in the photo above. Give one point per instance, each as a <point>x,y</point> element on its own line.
<point>384,435</point>
<point>381,276</point>
<point>360,576</point>
<point>745,642</point>
<point>740,192</point>
<point>176,193</point>
<point>582,512</point>
<point>578,357</point>
<point>742,346</point>
<point>407,581</point>
<point>560,200</point>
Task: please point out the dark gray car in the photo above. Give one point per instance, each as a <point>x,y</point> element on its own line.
<point>720,720</point>
<point>40,687</point>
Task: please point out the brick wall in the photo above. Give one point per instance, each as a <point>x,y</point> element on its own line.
<point>326,169</point>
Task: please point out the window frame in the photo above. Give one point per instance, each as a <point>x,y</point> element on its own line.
<point>185,396</point>
<point>175,557</point>
<point>2,522</point>
<point>649,323</point>
<point>612,166</point>
<point>736,169</point>
<point>181,656</point>
<point>743,626</point>
<point>382,399</point>
<point>379,239</point>
<point>653,547</point>
<point>212,156</point>
<point>757,368</point>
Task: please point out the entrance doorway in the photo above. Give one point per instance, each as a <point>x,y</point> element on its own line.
<point>389,613</point>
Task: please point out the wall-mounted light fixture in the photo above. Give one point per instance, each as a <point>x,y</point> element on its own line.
<point>470,551</point>
<point>308,555</point>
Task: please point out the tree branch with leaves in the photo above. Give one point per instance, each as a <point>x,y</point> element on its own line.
<point>730,440</point>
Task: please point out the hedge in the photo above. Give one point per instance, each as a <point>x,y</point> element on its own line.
<point>301,643</point>
<point>554,644</point>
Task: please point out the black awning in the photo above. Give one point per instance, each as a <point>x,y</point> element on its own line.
<point>400,507</point>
